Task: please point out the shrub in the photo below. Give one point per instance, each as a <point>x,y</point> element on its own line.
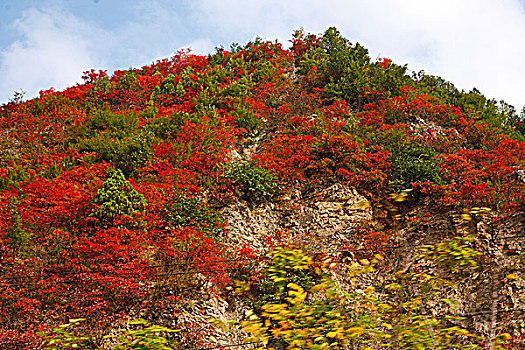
<point>114,138</point>
<point>167,126</point>
<point>253,181</point>
<point>127,154</point>
<point>412,160</point>
<point>334,152</point>
<point>245,116</point>
<point>117,124</point>
<point>413,163</point>
<point>183,210</point>
<point>15,175</point>
<point>288,280</point>
<point>16,237</point>
<point>168,86</point>
<point>117,199</point>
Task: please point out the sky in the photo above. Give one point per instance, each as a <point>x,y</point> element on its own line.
<point>471,43</point>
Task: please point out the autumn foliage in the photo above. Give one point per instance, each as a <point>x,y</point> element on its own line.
<point>110,191</point>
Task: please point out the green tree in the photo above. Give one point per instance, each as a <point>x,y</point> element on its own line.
<point>117,199</point>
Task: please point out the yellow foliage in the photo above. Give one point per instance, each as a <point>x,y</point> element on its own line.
<point>322,316</point>
<point>363,204</point>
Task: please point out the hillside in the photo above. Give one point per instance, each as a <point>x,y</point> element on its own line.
<point>309,198</point>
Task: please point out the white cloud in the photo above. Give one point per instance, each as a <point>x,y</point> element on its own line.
<point>471,43</point>
<point>156,33</point>
<point>55,46</point>
<point>468,42</point>
<point>53,51</point>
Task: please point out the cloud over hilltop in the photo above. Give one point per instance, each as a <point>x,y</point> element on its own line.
<point>470,43</point>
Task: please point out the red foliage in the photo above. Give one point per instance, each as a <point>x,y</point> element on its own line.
<point>59,263</point>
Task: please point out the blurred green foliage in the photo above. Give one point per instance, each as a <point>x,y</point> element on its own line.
<point>142,335</point>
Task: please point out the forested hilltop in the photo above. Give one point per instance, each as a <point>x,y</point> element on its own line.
<point>262,197</point>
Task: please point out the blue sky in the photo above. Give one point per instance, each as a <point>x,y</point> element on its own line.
<point>49,43</point>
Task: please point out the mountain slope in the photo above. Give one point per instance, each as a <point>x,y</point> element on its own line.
<point>159,189</point>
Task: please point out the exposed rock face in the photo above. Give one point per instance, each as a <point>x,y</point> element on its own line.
<point>486,296</point>
<point>322,220</point>
<point>325,219</point>
<point>519,175</point>
<point>197,315</point>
